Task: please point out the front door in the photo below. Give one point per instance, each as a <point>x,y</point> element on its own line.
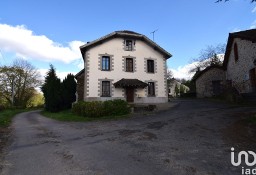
<point>253,79</point>
<point>129,94</point>
<point>216,87</point>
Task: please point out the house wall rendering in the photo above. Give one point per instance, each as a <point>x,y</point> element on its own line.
<point>113,49</point>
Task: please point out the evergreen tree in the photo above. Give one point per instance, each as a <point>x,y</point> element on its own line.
<point>68,91</point>
<point>51,89</point>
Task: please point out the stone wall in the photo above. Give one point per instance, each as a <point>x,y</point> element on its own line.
<point>238,71</point>
<point>204,82</point>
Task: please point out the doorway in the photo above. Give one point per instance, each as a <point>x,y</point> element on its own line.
<point>216,87</point>
<point>130,95</point>
<point>253,79</point>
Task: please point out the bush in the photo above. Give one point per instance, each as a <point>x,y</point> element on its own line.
<point>96,109</point>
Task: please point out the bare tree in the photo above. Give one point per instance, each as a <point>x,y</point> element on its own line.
<point>169,74</point>
<point>209,56</point>
<point>18,82</point>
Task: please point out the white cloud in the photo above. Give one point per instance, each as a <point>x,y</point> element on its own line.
<point>60,75</point>
<point>253,25</point>
<point>254,10</point>
<point>79,63</point>
<point>235,30</point>
<point>26,44</point>
<point>184,71</point>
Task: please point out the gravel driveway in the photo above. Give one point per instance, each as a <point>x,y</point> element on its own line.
<point>187,139</point>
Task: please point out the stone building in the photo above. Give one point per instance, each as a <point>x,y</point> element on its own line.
<point>210,81</point>
<point>238,70</point>
<point>123,65</point>
<point>240,60</point>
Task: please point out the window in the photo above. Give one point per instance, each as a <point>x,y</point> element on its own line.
<point>105,63</point>
<point>150,66</point>
<point>236,52</point>
<point>105,89</point>
<point>151,89</point>
<point>128,45</point>
<point>129,65</point>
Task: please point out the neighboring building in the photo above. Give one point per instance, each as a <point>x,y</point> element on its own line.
<point>238,70</point>
<point>210,81</point>
<point>240,60</point>
<point>176,88</point>
<point>123,65</point>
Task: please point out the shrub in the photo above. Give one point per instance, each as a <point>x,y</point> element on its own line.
<point>119,107</point>
<point>96,109</point>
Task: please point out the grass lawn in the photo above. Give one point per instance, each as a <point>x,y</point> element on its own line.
<point>7,115</point>
<point>68,116</point>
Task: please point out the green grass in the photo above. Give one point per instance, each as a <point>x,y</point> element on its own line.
<point>68,116</point>
<point>7,115</point>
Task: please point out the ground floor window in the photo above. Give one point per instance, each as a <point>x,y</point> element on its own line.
<point>151,89</point>
<point>105,89</point>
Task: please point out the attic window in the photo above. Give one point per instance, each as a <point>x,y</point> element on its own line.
<point>128,45</point>
<point>236,52</point>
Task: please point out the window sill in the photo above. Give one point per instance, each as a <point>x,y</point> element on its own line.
<point>151,95</point>
<point>106,70</point>
<point>105,96</point>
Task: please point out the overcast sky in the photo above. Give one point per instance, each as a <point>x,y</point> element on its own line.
<point>51,31</point>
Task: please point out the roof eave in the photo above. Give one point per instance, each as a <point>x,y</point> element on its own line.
<point>84,47</point>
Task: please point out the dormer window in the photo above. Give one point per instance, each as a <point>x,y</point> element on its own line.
<point>128,45</point>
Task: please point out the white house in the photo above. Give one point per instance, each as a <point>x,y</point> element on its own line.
<point>123,65</point>
<point>175,84</point>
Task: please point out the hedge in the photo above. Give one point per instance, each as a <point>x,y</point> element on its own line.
<point>96,109</point>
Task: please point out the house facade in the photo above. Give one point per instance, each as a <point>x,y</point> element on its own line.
<point>123,65</point>
<point>176,88</point>
<point>238,70</point>
<point>210,81</point>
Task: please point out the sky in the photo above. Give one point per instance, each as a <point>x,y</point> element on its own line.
<point>48,32</point>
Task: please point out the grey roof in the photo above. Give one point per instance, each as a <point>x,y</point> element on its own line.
<point>130,83</point>
<point>79,73</point>
<point>128,34</point>
<point>200,73</point>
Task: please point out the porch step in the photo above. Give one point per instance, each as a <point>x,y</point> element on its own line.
<point>143,108</point>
